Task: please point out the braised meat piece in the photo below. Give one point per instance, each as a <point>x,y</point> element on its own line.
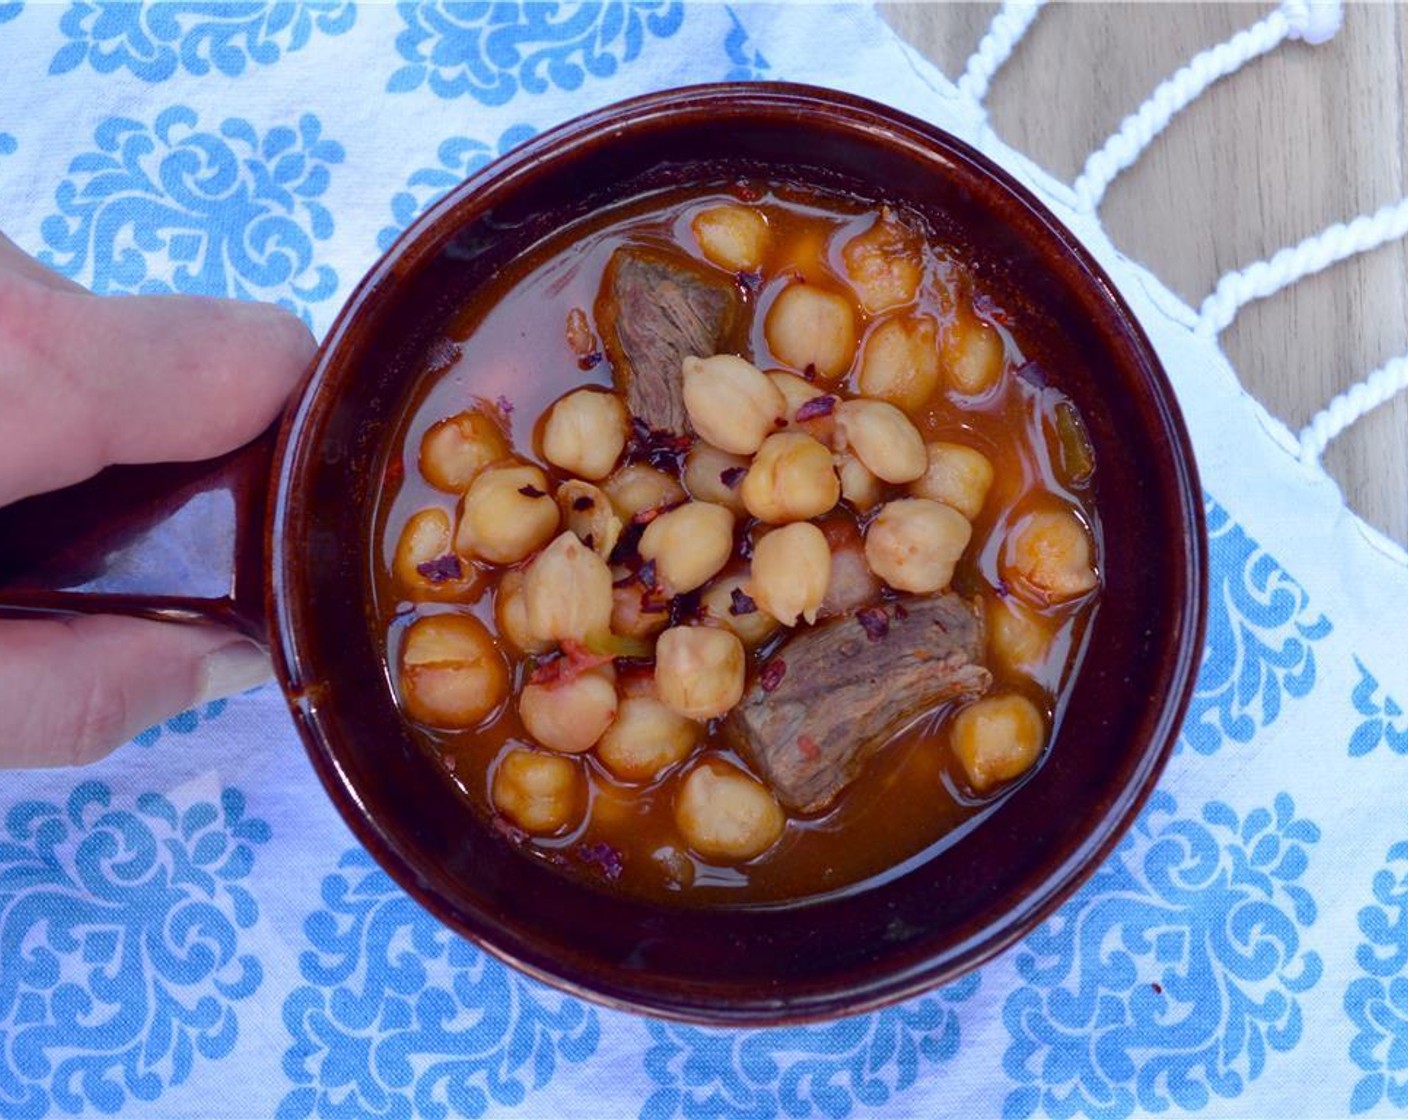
<point>846,686</point>
<point>653,312</point>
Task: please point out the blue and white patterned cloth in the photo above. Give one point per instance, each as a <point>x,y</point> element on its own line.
<point>188,929</point>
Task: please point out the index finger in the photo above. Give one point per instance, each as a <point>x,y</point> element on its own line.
<point>88,381</point>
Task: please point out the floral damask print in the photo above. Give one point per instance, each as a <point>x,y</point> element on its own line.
<point>155,38</point>
<point>400,1017</point>
<point>175,208</point>
<point>490,51</point>
<point>1384,719</point>
<point>182,724</point>
<point>1260,640</point>
<point>823,1070</point>
<point>1173,972</point>
<point>459,157</point>
<point>123,926</point>
<point>747,62</point>
<point>10,10</point>
<point>1377,1002</point>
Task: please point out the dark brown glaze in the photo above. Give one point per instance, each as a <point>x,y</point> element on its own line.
<point>179,542</point>
<point>929,920</point>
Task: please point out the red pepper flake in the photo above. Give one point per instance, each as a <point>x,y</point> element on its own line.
<point>575,660</point>
<point>816,408</point>
<point>603,858</point>
<point>661,448</point>
<point>395,471</point>
<point>579,333</point>
<point>504,405</point>
<point>589,361</point>
<point>807,748</point>
<point>875,622</point>
<point>900,612</point>
<point>741,604</point>
<point>746,191</point>
<point>531,491</point>
<point>732,476</point>
<point>1158,988</point>
<point>442,568</point>
<point>772,674</point>
<point>584,503</point>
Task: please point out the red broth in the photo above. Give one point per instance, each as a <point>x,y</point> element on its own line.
<point>510,352</point>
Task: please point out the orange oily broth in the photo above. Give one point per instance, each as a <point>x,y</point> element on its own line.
<point>512,345</point>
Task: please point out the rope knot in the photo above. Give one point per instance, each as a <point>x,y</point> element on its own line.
<point>1313,21</point>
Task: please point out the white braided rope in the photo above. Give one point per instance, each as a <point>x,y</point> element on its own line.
<point>1315,254</point>
<point>997,45</point>
<point>1378,388</point>
<point>1294,19</point>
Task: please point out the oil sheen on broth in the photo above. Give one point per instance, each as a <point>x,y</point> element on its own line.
<point>636,778</point>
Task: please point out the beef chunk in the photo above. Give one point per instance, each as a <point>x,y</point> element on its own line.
<point>653,312</point>
<point>845,692</point>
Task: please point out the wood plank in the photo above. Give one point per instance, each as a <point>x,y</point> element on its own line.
<point>1298,139</point>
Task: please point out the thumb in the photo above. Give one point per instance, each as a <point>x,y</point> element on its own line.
<point>72,689</point>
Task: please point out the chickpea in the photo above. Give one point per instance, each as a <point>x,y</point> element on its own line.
<point>884,263</point>
<point>511,615</point>
<point>972,355</point>
<point>540,793</point>
<point>567,592</point>
<point>882,438</point>
<point>732,237</point>
<point>852,584</point>
<point>914,544</point>
<point>997,738</point>
<point>645,739</point>
<point>638,487</point>
<point>711,475</point>
<point>570,716</point>
<point>792,479</point>
<point>452,673</point>
<point>1016,637</point>
<point>637,611</point>
<point>796,391</point>
<point>858,486</point>
<point>900,362</point>
<point>731,403</point>
<point>722,813</point>
<point>699,670</point>
<point>791,572</point>
<point>587,511</point>
<point>689,544</point>
<point>507,514</point>
<point>753,626</point>
<point>956,475</point>
<point>456,449</point>
<point>1047,557</point>
<point>585,432</point>
<point>810,328</point>
<point>427,538</point>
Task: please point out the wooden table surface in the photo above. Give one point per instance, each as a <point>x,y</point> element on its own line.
<point>1296,140</point>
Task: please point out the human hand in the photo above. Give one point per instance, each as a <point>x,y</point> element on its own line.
<point>86,382</point>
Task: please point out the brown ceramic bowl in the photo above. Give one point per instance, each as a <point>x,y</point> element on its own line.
<point>777,963</point>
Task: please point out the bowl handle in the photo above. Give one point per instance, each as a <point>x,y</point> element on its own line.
<point>179,542</point>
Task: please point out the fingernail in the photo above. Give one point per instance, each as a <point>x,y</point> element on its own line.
<point>233,668</point>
